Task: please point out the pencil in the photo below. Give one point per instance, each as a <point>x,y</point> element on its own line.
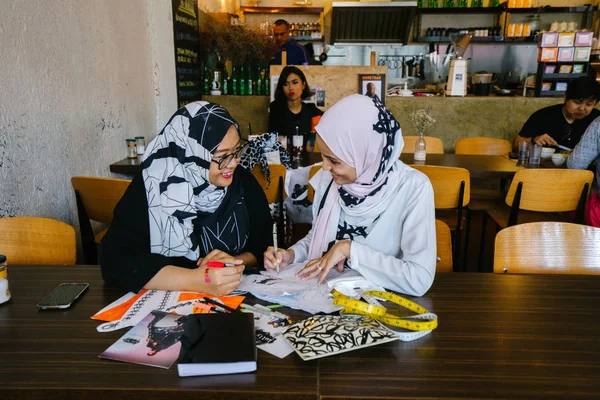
<point>216,303</point>
<point>275,246</point>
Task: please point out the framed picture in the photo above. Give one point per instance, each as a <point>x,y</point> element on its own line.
<point>372,85</point>
<point>565,69</point>
<point>561,86</point>
<point>549,69</point>
<point>578,68</point>
<point>546,86</point>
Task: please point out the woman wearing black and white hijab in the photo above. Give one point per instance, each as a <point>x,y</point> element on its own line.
<point>190,204</point>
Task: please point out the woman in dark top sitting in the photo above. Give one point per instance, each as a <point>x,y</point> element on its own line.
<point>188,205</point>
<point>288,111</point>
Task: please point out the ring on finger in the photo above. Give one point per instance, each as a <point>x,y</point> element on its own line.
<point>319,267</point>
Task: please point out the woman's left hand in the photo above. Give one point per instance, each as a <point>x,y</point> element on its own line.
<point>334,257</point>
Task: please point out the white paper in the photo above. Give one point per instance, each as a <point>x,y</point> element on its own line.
<point>269,335</point>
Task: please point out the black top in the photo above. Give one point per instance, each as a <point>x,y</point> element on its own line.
<point>551,120</point>
<point>126,258</point>
<point>284,122</point>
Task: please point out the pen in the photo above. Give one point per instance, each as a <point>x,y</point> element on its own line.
<point>263,310</point>
<point>220,305</point>
<point>275,246</point>
<point>218,264</point>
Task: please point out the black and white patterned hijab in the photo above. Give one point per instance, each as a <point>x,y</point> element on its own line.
<point>361,132</point>
<point>176,176</point>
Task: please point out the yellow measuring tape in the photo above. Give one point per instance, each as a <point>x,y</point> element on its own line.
<point>423,321</point>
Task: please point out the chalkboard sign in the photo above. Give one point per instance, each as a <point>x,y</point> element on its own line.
<point>187,62</point>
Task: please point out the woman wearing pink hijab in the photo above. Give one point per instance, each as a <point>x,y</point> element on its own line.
<point>371,212</point>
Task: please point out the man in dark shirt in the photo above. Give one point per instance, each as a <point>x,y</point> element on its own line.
<point>296,53</point>
<point>563,124</point>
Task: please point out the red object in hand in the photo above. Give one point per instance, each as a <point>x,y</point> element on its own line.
<point>218,264</point>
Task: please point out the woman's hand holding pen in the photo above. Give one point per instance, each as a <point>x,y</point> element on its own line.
<point>336,256</point>
<point>219,281</point>
<point>282,257</point>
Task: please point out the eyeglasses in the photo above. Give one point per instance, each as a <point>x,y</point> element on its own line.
<point>224,160</point>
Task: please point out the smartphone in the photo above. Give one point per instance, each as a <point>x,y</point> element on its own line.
<point>63,295</point>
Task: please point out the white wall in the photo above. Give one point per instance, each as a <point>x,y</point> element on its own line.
<point>77,77</point>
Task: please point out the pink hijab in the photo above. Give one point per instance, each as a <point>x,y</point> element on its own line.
<point>365,135</point>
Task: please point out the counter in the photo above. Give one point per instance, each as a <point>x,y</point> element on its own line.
<point>457,117</point>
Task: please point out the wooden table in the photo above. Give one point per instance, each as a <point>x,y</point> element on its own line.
<point>479,166</point>
<point>500,336</point>
<point>130,166</point>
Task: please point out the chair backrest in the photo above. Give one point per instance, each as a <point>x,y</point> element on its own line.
<point>434,145</point>
<point>483,146</point>
<point>443,246</point>
<point>273,190</point>
<point>446,182</point>
<point>549,190</point>
<point>311,191</point>
<point>548,248</point>
<point>99,195</point>
<point>35,240</point>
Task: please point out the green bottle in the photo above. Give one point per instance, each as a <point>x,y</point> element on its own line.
<point>250,82</point>
<point>448,3</point>
<point>234,82</point>
<point>267,83</point>
<point>260,89</point>
<point>462,3</point>
<point>432,4</point>
<point>225,85</point>
<point>206,78</point>
<point>242,81</point>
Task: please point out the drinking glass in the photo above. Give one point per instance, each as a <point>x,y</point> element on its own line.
<point>535,153</point>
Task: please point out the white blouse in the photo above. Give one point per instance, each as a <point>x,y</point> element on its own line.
<point>399,252</point>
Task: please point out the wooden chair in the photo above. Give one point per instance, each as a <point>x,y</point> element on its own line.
<point>541,193</point>
<point>311,191</point>
<point>434,145</point>
<point>548,248</point>
<point>483,146</point>
<point>274,192</point>
<point>96,200</point>
<point>451,191</point>
<point>35,240</point>
<point>443,246</point>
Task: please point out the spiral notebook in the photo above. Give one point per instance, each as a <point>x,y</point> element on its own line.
<point>327,335</point>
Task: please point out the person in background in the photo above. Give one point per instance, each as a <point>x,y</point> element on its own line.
<point>296,53</point>
<point>188,205</point>
<point>585,153</point>
<point>311,55</point>
<point>371,90</point>
<point>288,111</point>
<point>371,211</point>
<point>563,124</point>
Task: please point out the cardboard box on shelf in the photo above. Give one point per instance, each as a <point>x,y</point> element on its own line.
<point>566,53</point>
<point>584,39</point>
<point>566,39</point>
<point>548,39</point>
<point>547,54</point>
<point>582,54</point>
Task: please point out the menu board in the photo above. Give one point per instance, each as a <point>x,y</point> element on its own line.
<point>187,63</point>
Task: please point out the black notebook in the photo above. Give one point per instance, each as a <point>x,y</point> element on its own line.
<point>215,344</point>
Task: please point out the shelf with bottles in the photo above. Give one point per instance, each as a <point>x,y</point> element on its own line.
<point>282,10</point>
<point>243,81</point>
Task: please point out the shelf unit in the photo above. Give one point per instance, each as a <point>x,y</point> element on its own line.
<point>316,11</point>
<point>587,12</point>
<point>554,78</point>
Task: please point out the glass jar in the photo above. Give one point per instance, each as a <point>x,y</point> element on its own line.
<point>534,24</point>
<point>4,290</point>
<point>131,148</point>
<point>140,145</point>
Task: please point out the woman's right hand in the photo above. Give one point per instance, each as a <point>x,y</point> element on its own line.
<point>220,281</point>
<point>283,257</point>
